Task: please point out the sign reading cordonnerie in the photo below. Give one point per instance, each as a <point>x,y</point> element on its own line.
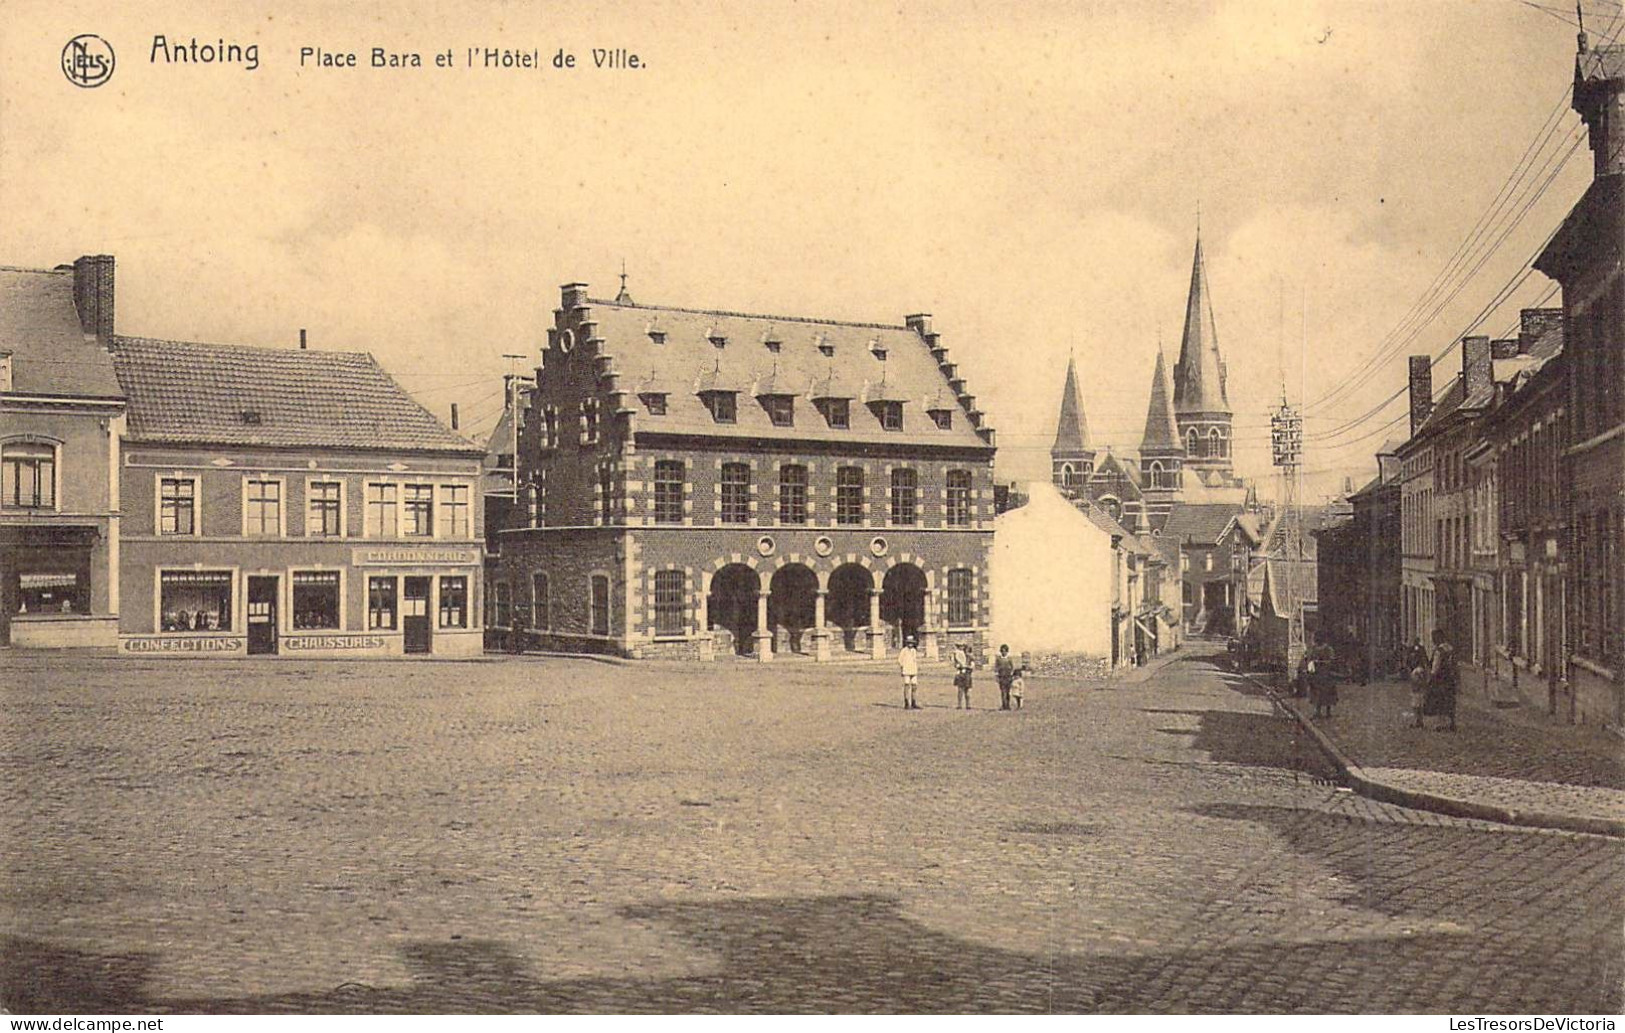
<point>391,556</point>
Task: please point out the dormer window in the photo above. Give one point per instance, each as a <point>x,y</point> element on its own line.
<point>826,349</point>
<point>943,418</point>
<point>891,415</point>
<point>654,401</point>
<point>657,336</point>
<point>718,340</point>
<point>837,413</point>
<point>723,405</point>
<point>781,409</point>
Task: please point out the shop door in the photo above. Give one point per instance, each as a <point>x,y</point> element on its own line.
<point>415,615</point>
<point>262,594</point>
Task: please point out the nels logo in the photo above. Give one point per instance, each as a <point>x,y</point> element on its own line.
<point>87,60</point>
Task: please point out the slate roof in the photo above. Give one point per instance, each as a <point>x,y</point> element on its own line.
<point>1201,523</point>
<point>1199,375</point>
<point>1103,520</point>
<point>50,352</point>
<point>181,392</point>
<point>1072,429</point>
<point>1161,428</point>
<point>689,362</point>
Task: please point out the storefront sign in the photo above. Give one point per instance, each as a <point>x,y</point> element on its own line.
<point>392,556</point>
<point>160,644</point>
<point>299,643</point>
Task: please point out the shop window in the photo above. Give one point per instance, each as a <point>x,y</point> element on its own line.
<point>29,475</point>
<point>316,600</point>
<point>262,508</point>
<point>959,498</point>
<point>51,591</point>
<point>194,600</point>
<point>792,494</point>
<point>454,511</point>
<point>541,612</point>
<point>418,519</point>
<point>383,513</point>
<point>381,604</point>
<point>669,602</point>
<point>600,604</point>
<point>961,600</point>
<point>324,505</point>
<point>849,495</point>
<point>177,505</point>
<point>454,602</point>
<point>905,488</point>
<point>736,493</point>
<point>668,491</point>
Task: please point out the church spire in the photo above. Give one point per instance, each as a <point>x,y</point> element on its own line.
<point>1072,430</point>
<point>1161,429</point>
<point>1199,375</point>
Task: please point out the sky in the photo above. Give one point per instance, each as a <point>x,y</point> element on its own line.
<point>1031,174</point>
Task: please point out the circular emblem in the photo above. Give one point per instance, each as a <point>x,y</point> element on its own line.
<point>567,340</point>
<point>765,545</point>
<point>87,60</point>
<point>878,546</point>
<point>823,546</point>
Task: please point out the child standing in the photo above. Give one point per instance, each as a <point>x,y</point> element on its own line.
<point>962,675</point>
<point>1018,685</point>
<point>908,662</point>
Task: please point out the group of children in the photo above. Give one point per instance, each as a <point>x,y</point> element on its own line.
<point>1010,675</point>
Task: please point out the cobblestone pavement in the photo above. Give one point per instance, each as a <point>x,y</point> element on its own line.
<point>553,835</point>
<point>1512,758</point>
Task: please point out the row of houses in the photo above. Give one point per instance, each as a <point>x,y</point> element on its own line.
<point>1508,494</point>
<point>167,497</point>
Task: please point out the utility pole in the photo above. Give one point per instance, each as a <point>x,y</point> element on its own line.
<point>1286,446</point>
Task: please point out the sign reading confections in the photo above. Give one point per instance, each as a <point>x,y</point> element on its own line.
<point>396,555</point>
<point>188,644</point>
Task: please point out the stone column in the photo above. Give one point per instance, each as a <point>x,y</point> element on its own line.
<point>702,621</point>
<point>819,632</point>
<point>877,634</point>
<point>928,630</point>
<point>764,634</point>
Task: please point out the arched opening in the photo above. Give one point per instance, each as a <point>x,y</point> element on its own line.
<point>846,609</point>
<point>1112,505</point>
<point>902,603</point>
<point>792,603</point>
<point>731,608</point>
<point>1068,478</point>
<point>1193,443</point>
<point>1156,474</point>
<point>1213,444</point>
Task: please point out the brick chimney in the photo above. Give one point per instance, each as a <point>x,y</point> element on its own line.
<point>1534,323</point>
<point>1421,391</point>
<point>1599,79</point>
<point>573,294</point>
<point>1504,347</point>
<point>920,323</point>
<point>1477,366</point>
<point>93,295</point>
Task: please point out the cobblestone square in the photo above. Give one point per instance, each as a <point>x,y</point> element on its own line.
<point>562,835</point>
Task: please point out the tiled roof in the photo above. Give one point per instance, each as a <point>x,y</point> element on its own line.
<point>50,352</point>
<point>689,361</point>
<point>277,397</point>
<point>1200,523</point>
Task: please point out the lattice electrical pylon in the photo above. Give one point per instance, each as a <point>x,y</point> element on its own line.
<point>1286,447</point>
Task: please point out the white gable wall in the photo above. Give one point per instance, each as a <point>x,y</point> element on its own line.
<point>1051,573</point>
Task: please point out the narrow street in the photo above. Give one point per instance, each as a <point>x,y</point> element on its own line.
<point>560,835</point>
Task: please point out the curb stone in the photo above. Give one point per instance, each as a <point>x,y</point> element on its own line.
<point>1436,803</point>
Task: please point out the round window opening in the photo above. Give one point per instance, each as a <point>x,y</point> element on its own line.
<point>765,545</point>
<point>878,546</point>
<point>823,546</point>
<point>567,340</point>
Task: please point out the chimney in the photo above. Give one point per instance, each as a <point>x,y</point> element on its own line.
<point>1599,97</point>
<point>1534,323</point>
<point>302,340</point>
<point>454,416</point>
<point>1477,367</point>
<point>93,295</point>
<point>574,295</point>
<point>1421,391</point>
<point>920,323</point>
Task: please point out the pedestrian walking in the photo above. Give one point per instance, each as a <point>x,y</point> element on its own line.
<point>1004,669</point>
<point>1417,666</point>
<point>908,662</point>
<point>1322,684</point>
<point>963,666</point>
<point>1443,681</point>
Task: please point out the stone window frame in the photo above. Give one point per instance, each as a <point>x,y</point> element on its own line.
<point>281,504</point>
<point>903,499</point>
<point>788,494</point>
<point>843,507</point>
<point>343,510</point>
<point>37,441</point>
<point>668,609</point>
<point>541,613</point>
<point>959,507</point>
<point>196,480</point>
<point>742,506</point>
<point>666,507</point>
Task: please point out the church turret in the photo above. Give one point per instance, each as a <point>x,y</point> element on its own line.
<point>1072,461</point>
<point>1201,403</point>
<point>1162,455</point>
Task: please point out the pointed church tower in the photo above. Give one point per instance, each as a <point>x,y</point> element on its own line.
<point>1201,405</point>
<point>1162,454</point>
<point>1072,461</point>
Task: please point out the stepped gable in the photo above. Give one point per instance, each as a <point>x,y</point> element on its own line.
<point>50,352</point>
<point>1200,374</point>
<point>695,350</point>
<point>1161,428</point>
<point>184,392</point>
<point>1072,429</point>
